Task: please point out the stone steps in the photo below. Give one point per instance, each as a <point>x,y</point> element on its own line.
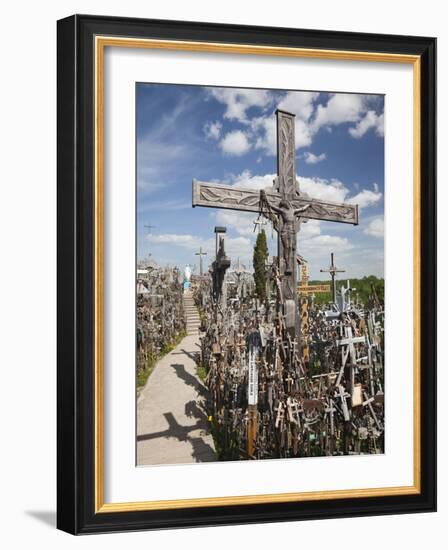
<point>192,318</point>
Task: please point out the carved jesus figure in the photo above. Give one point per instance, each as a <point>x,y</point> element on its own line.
<point>287,229</point>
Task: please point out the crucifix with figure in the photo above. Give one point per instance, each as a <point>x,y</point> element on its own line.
<point>285,206</point>
<point>332,270</point>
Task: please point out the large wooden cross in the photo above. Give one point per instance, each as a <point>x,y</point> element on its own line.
<point>285,205</point>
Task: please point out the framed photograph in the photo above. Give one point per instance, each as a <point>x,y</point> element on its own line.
<point>246,274</point>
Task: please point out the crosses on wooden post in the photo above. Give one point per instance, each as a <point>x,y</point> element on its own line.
<point>332,270</point>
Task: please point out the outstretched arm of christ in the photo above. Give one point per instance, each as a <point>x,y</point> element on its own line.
<point>264,198</point>
<point>297,211</point>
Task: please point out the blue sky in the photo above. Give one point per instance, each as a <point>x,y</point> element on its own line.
<point>228,135</point>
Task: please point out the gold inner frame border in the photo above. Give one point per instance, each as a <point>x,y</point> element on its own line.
<point>100,43</point>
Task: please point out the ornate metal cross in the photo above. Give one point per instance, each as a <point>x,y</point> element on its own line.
<point>332,270</point>
<point>285,207</point>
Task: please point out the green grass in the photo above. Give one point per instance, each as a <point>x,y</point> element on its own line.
<point>144,374</point>
<point>201,371</point>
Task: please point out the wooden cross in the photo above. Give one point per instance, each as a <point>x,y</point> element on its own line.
<point>332,270</point>
<point>285,206</point>
<point>200,254</point>
<point>258,224</point>
<point>304,290</point>
<point>304,287</point>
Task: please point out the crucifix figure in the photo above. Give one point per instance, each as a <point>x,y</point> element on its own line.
<point>332,270</point>
<point>287,228</point>
<point>200,254</point>
<point>285,205</point>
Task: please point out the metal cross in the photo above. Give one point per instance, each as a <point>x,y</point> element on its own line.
<point>200,254</point>
<point>332,270</point>
<point>285,206</point>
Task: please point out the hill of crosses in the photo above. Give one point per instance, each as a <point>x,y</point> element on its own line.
<point>282,367</point>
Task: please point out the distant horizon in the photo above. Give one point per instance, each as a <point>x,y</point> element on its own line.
<point>227,135</point>
<point>195,271</point>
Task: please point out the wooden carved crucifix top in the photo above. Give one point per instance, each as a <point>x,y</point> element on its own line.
<point>285,187</point>
<point>284,203</point>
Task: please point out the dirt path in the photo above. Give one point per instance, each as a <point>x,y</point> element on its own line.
<point>172,425</point>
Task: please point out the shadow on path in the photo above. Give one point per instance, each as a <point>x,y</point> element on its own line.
<point>189,379</point>
<point>202,452</point>
<point>194,355</point>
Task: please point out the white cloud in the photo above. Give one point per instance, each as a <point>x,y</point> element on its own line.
<point>375,227</point>
<point>311,238</point>
<point>310,228</point>
<point>235,246</point>
<point>265,128</point>
<point>238,101</point>
<point>323,189</point>
<point>365,198</point>
<point>303,133</point>
<point>317,188</point>
<point>235,143</point>
<point>299,103</point>
<point>370,120</point>
<point>342,108</point>
<point>212,130</point>
<point>309,118</point>
<point>246,180</point>
<point>339,109</point>
<point>322,244</point>
<point>241,222</point>
<point>185,241</point>
<point>335,190</point>
<point>311,158</point>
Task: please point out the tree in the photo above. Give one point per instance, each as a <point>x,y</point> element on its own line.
<point>261,254</point>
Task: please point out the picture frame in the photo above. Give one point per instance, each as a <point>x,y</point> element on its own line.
<point>82,42</point>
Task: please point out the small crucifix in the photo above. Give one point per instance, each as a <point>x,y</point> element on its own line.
<point>332,270</point>
<point>285,205</point>
<point>258,224</point>
<point>200,254</point>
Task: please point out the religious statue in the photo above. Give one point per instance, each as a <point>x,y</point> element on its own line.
<point>287,229</point>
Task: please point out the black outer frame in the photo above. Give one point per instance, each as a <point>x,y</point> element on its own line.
<point>75,309</point>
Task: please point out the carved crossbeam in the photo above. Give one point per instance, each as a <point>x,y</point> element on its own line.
<point>214,195</point>
<point>311,289</point>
